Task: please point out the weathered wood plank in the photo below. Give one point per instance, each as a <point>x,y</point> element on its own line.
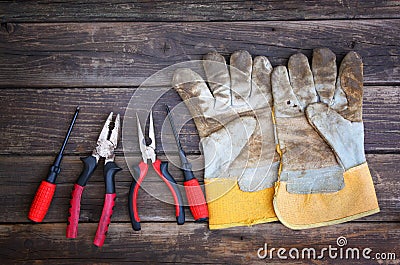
<point>195,244</point>
<point>34,121</point>
<point>21,175</point>
<point>122,55</point>
<point>125,54</point>
<point>46,11</point>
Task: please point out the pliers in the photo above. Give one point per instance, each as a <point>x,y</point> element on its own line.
<point>106,144</point>
<point>140,171</point>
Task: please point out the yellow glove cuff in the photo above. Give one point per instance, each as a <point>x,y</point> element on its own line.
<point>357,199</point>
<point>228,206</point>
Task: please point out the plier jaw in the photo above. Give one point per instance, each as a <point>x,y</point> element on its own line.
<point>108,139</point>
<point>148,151</point>
<point>140,171</point>
<point>106,144</point>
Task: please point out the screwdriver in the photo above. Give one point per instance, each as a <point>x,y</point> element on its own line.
<point>45,192</point>
<point>194,194</point>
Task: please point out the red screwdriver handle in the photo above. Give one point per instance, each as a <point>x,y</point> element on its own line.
<point>74,210</point>
<point>41,203</point>
<point>196,200</point>
<point>105,220</point>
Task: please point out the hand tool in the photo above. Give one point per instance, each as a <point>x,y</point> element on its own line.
<point>140,171</point>
<point>106,144</point>
<point>194,194</point>
<point>44,194</point>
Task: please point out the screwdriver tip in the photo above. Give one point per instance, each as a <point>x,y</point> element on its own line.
<point>78,108</point>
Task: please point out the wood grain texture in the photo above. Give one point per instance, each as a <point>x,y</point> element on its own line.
<point>34,121</point>
<point>155,204</point>
<point>114,10</point>
<point>55,55</point>
<point>190,244</point>
<point>125,54</point>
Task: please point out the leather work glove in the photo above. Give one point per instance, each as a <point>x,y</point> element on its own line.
<point>233,117</point>
<point>324,177</point>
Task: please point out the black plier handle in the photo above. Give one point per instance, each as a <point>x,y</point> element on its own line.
<point>106,144</point>
<point>140,172</point>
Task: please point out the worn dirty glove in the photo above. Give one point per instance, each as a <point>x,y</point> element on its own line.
<point>233,117</point>
<point>324,177</point>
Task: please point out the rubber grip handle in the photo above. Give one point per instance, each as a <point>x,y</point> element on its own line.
<point>41,203</point>
<point>139,174</point>
<point>90,164</point>
<point>162,170</point>
<point>196,200</point>
<point>110,169</point>
<point>102,228</point>
<point>74,210</point>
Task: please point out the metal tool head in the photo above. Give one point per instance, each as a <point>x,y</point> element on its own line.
<point>152,135</point>
<point>186,165</point>
<point>108,139</point>
<point>148,151</point>
<point>174,131</point>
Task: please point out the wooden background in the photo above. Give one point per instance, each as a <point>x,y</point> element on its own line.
<point>55,56</point>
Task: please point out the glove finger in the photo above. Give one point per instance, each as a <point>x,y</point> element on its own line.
<point>240,70</point>
<point>195,93</point>
<point>325,72</point>
<point>351,82</point>
<point>339,98</point>
<point>285,101</point>
<point>259,156</point>
<point>348,149</point>
<point>218,78</point>
<point>261,79</point>
<point>301,80</point>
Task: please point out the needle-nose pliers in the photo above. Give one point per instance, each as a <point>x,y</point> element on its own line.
<point>106,144</point>
<point>140,171</point>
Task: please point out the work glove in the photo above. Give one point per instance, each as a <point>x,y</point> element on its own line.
<point>324,177</point>
<point>233,117</point>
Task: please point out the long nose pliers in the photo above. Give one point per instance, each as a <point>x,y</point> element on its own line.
<point>106,144</point>
<point>140,171</point>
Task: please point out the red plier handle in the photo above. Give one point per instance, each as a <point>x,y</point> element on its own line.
<point>140,172</point>
<point>90,165</point>
<point>110,169</point>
